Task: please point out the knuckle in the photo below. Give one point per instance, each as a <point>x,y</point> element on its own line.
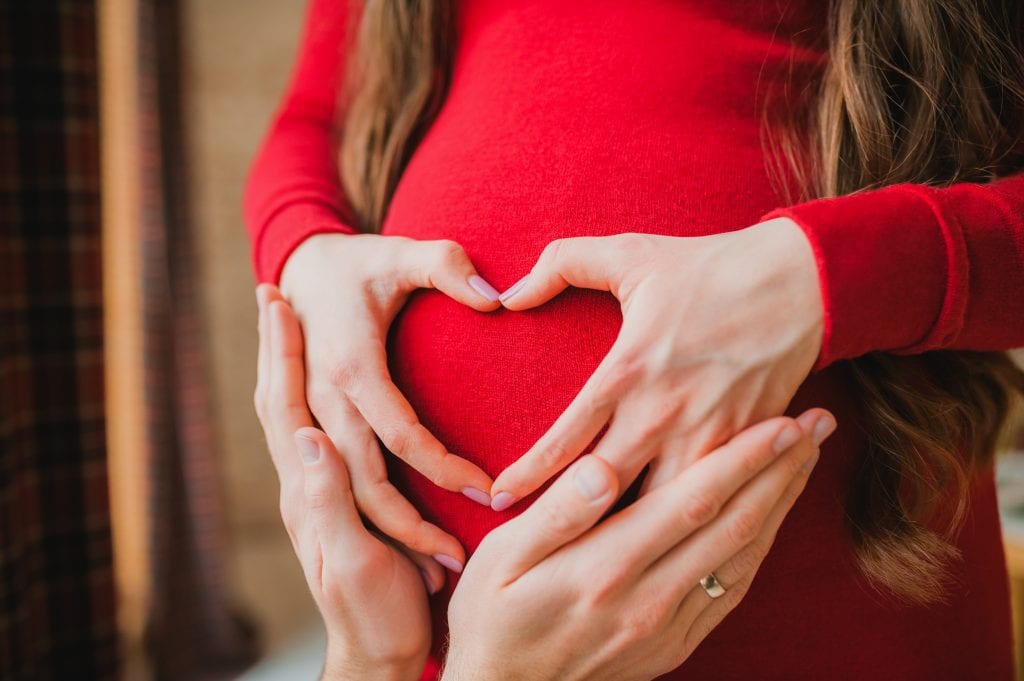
<point>751,462</point>
<point>617,378</point>
<point>743,526</point>
<point>552,253</point>
<point>321,395</point>
<point>641,624</point>
<point>600,591</point>
<point>397,437</point>
<point>797,459</point>
<point>345,373</point>
<point>700,508</point>
<point>319,493</point>
<point>449,251</point>
<point>555,520</point>
<point>652,427</point>
<point>554,454</point>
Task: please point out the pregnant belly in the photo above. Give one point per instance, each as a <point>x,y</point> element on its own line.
<point>488,385</point>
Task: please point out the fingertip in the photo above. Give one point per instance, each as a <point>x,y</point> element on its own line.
<point>502,501</point>
<point>449,562</point>
<point>483,288</point>
<point>817,423</point>
<point>506,295</point>
<point>432,572</point>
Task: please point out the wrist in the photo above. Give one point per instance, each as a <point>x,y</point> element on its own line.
<point>302,261</point>
<point>342,664</point>
<point>356,670</point>
<point>288,229</point>
<point>798,269</point>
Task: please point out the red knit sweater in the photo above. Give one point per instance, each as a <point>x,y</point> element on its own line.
<point>600,117</point>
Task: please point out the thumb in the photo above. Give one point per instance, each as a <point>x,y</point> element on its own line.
<point>444,265</point>
<point>570,507</point>
<point>585,262</point>
<point>330,508</point>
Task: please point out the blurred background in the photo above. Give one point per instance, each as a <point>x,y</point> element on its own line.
<point>139,530</point>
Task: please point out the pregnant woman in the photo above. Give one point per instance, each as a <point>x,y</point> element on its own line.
<point>723,211</point>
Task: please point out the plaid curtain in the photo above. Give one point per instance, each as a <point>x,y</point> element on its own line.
<point>194,632</point>
<point>57,615</point>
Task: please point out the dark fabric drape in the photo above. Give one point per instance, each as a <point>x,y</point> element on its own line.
<point>57,614</point>
<point>194,631</point>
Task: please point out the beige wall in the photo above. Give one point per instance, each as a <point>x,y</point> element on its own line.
<point>238,55</point>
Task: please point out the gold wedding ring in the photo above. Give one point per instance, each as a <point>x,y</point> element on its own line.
<point>712,586</point>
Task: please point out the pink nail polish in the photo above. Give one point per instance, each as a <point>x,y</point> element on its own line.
<point>483,288</point>
<point>512,290</point>
<point>431,589</point>
<point>502,500</point>
<point>448,562</point>
<point>479,496</point>
<point>822,429</point>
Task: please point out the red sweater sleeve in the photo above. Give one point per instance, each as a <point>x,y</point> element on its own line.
<point>293,190</point>
<point>910,268</point>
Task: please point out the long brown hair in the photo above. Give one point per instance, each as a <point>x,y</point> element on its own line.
<point>925,91</point>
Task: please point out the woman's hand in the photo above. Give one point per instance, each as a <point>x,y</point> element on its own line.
<point>718,332</point>
<point>549,596</point>
<point>346,290</point>
<point>371,594</point>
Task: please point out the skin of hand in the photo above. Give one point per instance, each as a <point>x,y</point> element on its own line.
<point>549,595</point>
<point>346,290</point>
<point>370,592</point>
<point>718,332</point>
<point>621,586</point>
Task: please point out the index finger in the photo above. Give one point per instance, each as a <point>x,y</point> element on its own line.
<point>393,419</point>
<point>569,435</point>
<point>566,510</point>
<point>646,530</point>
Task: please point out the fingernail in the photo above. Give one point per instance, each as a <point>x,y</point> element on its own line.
<point>479,496</point>
<point>502,500</point>
<point>448,562</point>
<point>483,288</point>
<point>512,290</point>
<point>431,589</point>
<point>789,436</point>
<point>589,480</point>
<point>822,429</point>
<point>809,464</point>
<point>309,449</point>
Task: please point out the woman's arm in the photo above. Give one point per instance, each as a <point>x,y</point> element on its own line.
<point>293,189</point>
<point>910,268</point>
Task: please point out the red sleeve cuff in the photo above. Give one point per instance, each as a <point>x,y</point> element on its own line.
<point>885,269</point>
<point>286,229</point>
